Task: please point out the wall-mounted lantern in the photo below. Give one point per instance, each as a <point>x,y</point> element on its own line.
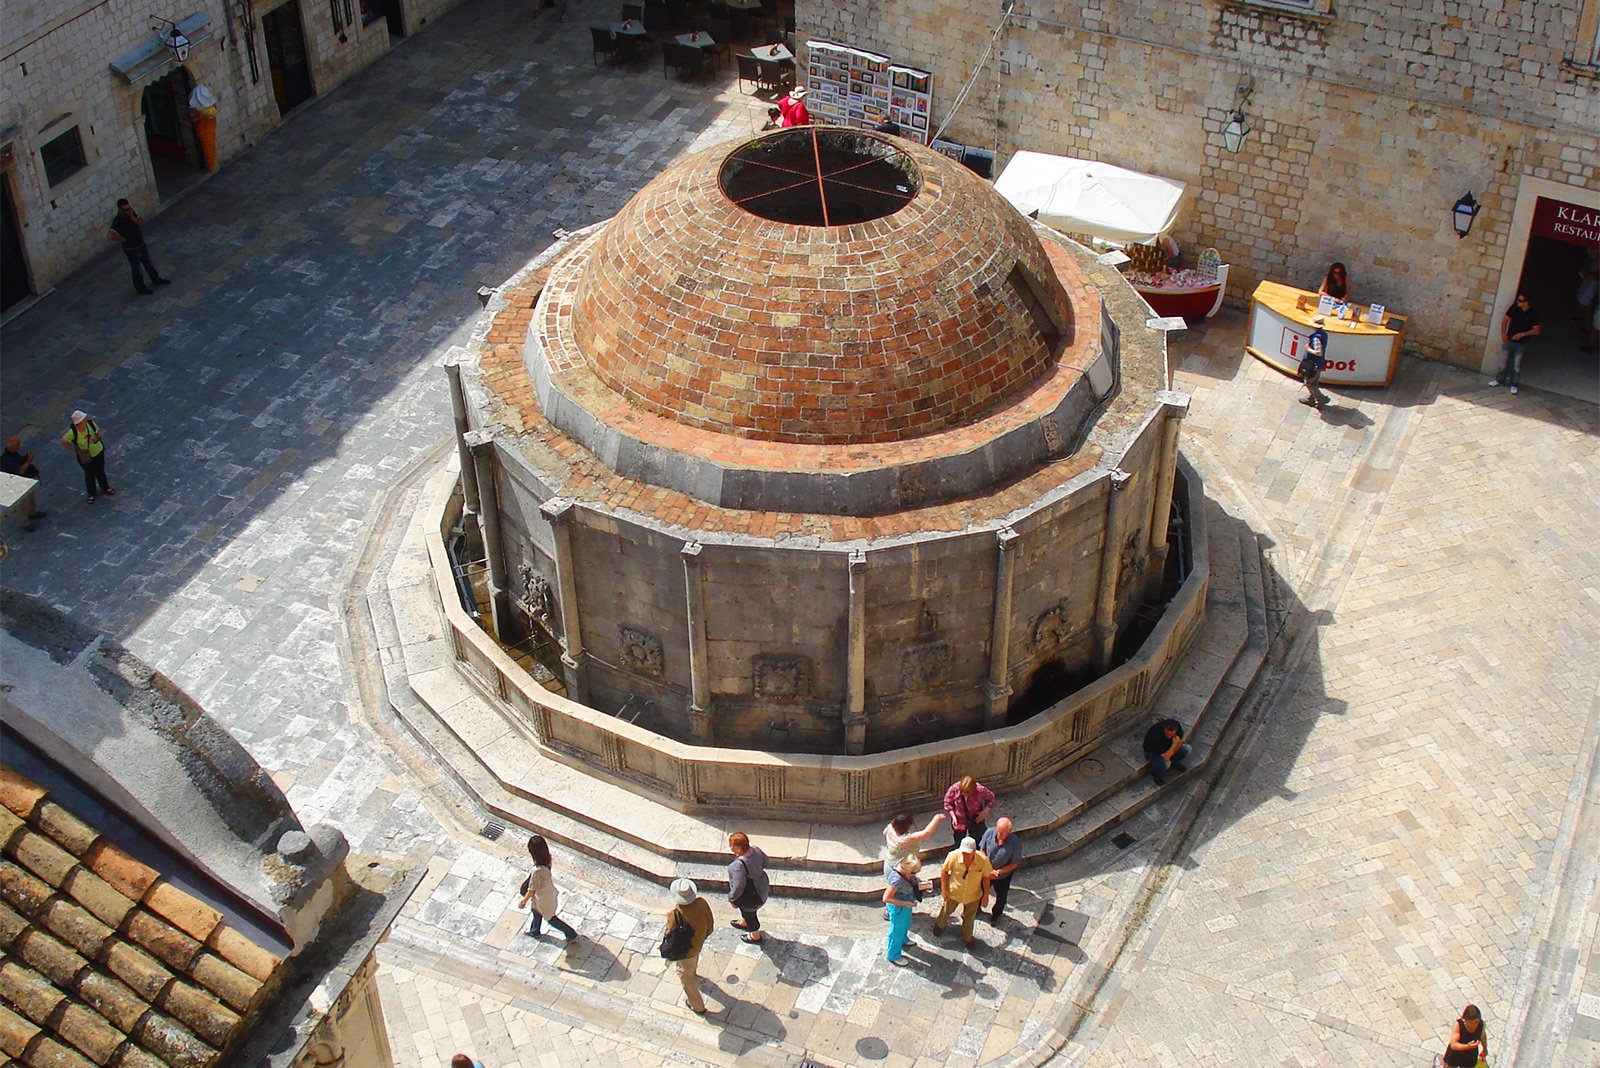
<point>172,38</point>
<point>1238,129</point>
<point>1463,213</point>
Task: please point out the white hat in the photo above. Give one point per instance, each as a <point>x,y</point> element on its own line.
<point>969,844</point>
<point>78,416</point>
<point>684,890</point>
<point>797,93</point>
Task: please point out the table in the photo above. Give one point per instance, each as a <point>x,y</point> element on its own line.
<point>15,491</point>
<point>765,53</point>
<point>1359,353</point>
<point>635,29</point>
<point>701,39</point>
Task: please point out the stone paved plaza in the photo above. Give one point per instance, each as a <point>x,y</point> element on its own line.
<point>1406,821</point>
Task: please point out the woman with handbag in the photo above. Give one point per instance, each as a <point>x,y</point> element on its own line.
<point>747,884</point>
<point>900,898</point>
<point>84,439</point>
<point>1469,1043</point>
<point>540,888</point>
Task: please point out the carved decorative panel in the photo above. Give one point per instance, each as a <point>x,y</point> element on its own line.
<point>535,597</point>
<point>639,650</point>
<point>924,666</point>
<point>1053,628</point>
<point>782,676</point>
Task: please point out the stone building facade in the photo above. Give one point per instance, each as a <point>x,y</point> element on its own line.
<point>93,107</point>
<point>1367,121</point>
<point>820,484</point>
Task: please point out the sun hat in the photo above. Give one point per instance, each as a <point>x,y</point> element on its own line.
<point>78,416</point>
<point>1320,321</point>
<point>969,844</point>
<point>684,890</point>
<point>797,93</point>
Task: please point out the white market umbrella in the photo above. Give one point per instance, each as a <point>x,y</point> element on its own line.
<point>1085,196</point>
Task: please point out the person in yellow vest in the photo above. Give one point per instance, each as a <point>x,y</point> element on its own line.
<point>84,439</point>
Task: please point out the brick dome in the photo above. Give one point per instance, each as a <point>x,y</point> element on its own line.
<point>697,304</point>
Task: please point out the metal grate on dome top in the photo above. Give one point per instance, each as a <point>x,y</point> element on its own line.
<point>819,176</point>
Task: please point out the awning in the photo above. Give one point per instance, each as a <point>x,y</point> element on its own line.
<point>1085,196</point>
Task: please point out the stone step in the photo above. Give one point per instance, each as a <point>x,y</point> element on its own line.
<point>497,761</point>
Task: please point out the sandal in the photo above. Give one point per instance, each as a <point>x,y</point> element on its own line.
<point>91,500</point>
<point>739,924</point>
<point>753,937</point>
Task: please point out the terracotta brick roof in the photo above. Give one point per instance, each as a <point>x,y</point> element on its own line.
<point>106,961</point>
<point>694,309</point>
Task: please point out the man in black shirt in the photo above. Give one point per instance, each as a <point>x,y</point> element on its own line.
<point>128,229</point>
<point>16,462</point>
<point>1165,748</point>
<point>1520,326</point>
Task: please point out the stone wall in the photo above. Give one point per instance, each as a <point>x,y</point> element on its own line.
<point>1367,120</point>
<point>57,74</point>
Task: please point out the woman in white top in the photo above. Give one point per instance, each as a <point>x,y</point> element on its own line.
<point>541,890</point>
<point>901,841</point>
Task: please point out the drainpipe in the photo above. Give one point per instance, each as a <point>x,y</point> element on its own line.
<point>1176,406</point>
<point>458,408</point>
<point>695,616</point>
<point>481,447</point>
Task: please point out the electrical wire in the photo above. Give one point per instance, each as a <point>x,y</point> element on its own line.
<point>983,61</point>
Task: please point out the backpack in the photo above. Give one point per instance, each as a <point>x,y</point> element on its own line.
<point>1309,365</point>
<point>678,940</point>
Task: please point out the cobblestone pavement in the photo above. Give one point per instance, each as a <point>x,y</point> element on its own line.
<point>1409,826</point>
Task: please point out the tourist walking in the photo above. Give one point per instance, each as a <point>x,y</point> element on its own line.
<point>900,898</point>
<point>1165,748</point>
<point>747,884</point>
<point>128,229</point>
<point>1004,850</point>
<point>968,803</point>
<point>964,884</point>
<point>1313,363</point>
<point>694,910</point>
<point>541,890</point>
<point>461,1060</point>
<point>83,437</point>
<point>1520,326</point>
<point>1469,1043</point>
<point>15,462</point>
<point>792,109</point>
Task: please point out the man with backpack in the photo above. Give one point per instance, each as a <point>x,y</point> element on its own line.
<point>1311,365</point>
<point>85,440</point>
<point>689,924</point>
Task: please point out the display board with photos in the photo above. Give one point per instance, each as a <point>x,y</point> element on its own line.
<point>853,87</point>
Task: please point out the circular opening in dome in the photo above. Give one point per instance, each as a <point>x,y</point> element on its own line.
<point>819,176</point>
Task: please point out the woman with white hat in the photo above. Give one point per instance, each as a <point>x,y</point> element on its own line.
<point>84,439</point>
<point>793,107</point>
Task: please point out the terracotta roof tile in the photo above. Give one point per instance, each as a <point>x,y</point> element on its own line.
<point>49,1053</point>
<point>15,1032</point>
<point>145,975</point>
<point>194,918</point>
<point>19,794</point>
<point>243,954</point>
<point>234,987</point>
<point>28,992</point>
<point>22,890</point>
<point>70,923</point>
<point>168,944</point>
<point>42,857</point>
<point>129,876</point>
<point>55,960</point>
<point>67,830</point>
<point>88,1032</point>
<point>98,896</point>
<point>107,963</point>
<point>198,1010</point>
<point>12,926</point>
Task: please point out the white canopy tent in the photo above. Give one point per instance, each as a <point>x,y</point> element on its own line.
<point>1085,196</point>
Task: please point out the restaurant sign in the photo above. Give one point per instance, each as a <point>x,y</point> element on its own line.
<point>1566,222</point>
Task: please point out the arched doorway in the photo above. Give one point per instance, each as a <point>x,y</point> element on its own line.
<point>14,282</point>
<point>175,156</point>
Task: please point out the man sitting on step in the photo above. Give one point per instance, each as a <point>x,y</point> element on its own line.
<point>1165,748</point>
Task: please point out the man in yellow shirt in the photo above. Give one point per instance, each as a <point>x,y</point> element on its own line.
<point>964,881</point>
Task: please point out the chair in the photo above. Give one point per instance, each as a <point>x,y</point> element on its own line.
<point>656,23</point>
<point>685,59</point>
<point>720,50</point>
<point>605,43</point>
<point>633,11</point>
<point>749,70</point>
<point>721,30</point>
<point>677,13</point>
<point>771,36</point>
